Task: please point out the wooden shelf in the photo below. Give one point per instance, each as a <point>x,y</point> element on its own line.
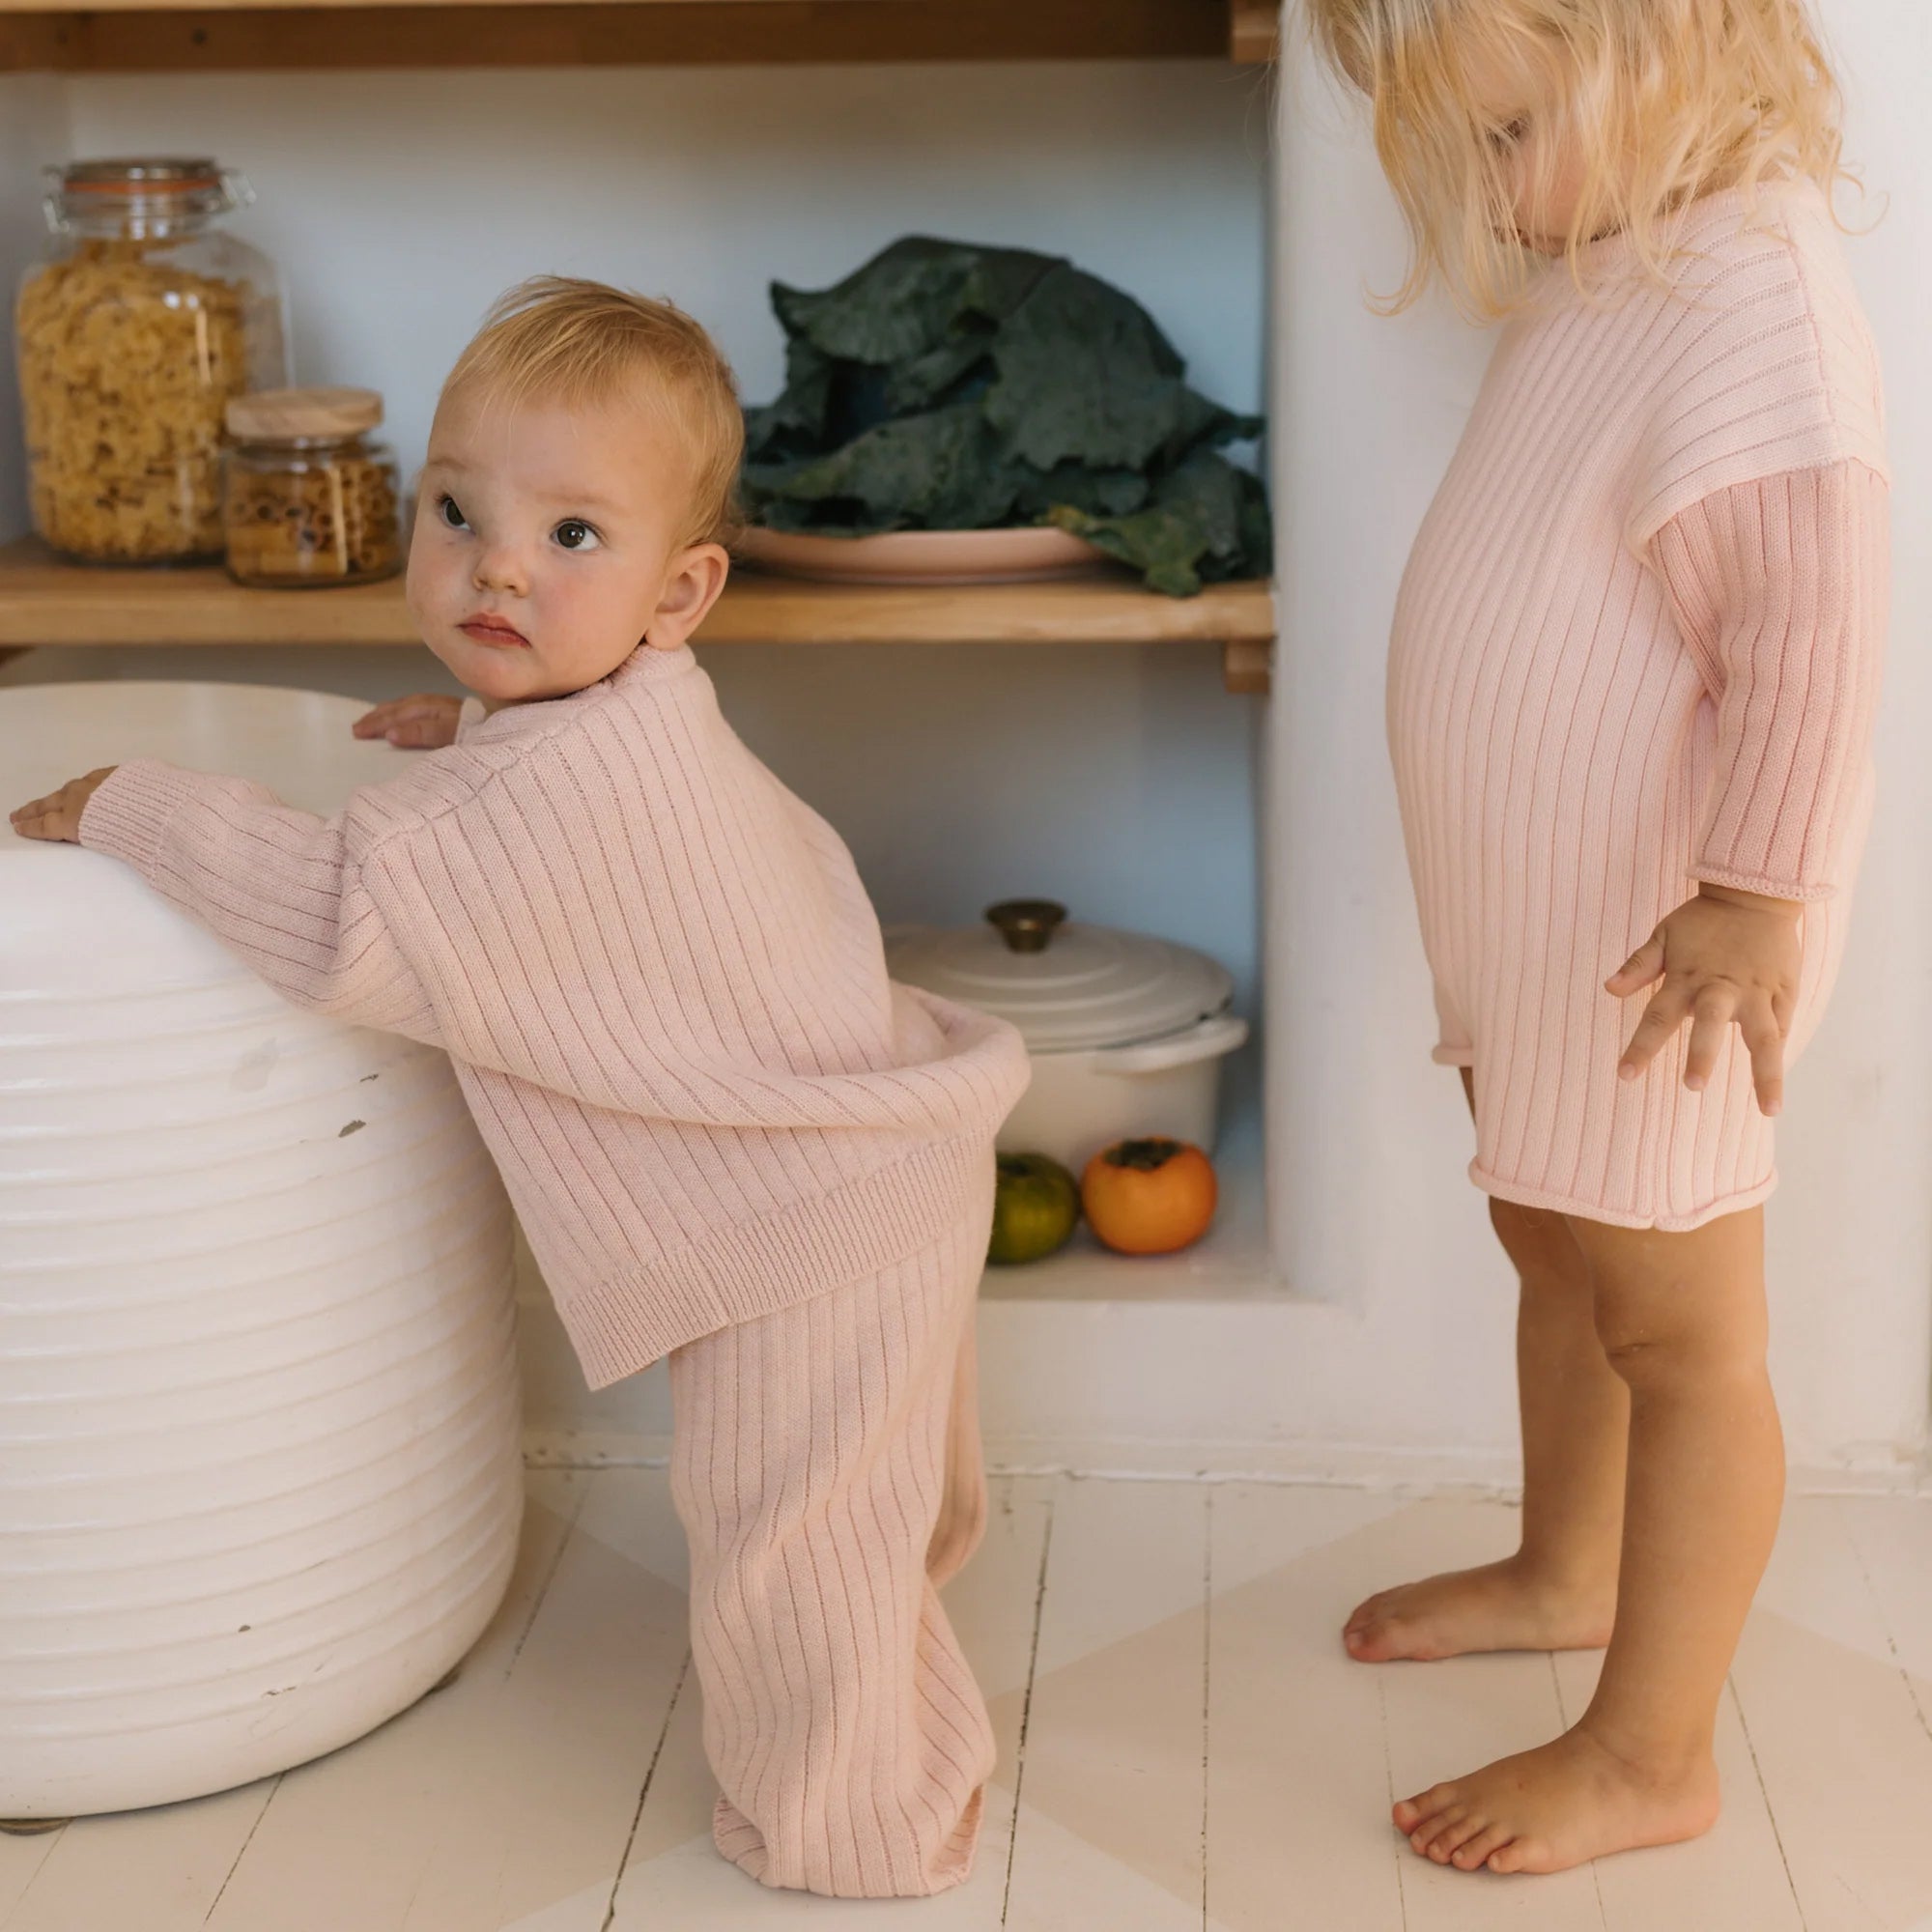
<point>151,35</point>
<point>43,601</point>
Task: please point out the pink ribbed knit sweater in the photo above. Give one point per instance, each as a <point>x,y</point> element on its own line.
<point>1638,646</point>
<point>660,980</point>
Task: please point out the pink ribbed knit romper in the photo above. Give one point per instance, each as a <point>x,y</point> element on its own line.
<point>1638,646</point>
<point>730,1138</point>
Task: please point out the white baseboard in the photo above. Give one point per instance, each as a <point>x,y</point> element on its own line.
<point>1271,1390</point>
<point>1399,1471</point>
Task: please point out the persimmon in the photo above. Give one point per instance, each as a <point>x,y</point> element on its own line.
<point>1034,1212</point>
<point>1150,1197</point>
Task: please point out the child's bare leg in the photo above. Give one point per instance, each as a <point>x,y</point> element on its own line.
<point>1682,1318</point>
<point>1559,1590</point>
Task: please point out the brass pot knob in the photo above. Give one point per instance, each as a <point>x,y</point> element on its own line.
<point>1027,926</point>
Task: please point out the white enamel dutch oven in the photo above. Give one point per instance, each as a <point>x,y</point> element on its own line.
<point>1126,1033</point>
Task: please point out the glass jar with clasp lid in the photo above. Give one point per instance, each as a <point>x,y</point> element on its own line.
<point>139,326</point>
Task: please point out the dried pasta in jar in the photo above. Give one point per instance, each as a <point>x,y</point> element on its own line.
<point>132,339</point>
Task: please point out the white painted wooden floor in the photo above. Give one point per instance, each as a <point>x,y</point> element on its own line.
<point>1183,1746</point>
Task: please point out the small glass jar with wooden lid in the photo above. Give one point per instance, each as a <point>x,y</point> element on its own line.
<point>310,501</point>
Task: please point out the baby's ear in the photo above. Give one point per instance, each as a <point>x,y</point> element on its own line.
<point>692,585</point>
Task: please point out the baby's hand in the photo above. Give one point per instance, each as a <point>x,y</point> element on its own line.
<point>421,723</point>
<point>1724,956</point>
<point>57,816</point>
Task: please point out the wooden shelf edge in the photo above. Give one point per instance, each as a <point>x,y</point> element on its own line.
<point>43,601</point>
<point>299,34</point>
<point>1254,31</point>
<point>1247,666</point>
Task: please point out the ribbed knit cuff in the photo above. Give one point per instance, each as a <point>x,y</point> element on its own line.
<point>130,814</point>
<point>756,1267</point>
<point>471,715</point>
<point>1761,884</point>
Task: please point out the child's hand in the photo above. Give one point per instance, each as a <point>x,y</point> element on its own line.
<point>1724,956</point>
<point>421,723</point>
<point>57,816</point>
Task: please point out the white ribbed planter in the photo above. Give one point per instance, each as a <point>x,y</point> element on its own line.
<point>259,1472</point>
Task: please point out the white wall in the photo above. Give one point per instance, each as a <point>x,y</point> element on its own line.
<point>1368,1140</point>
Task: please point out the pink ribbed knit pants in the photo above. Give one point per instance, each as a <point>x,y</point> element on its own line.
<point>827,1468</point>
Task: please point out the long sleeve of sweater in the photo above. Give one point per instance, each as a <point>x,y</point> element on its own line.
<point>283,890</point>
<point>1779,587</point>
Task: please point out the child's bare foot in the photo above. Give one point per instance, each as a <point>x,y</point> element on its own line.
<point>1559,1806</point>
<point>1500,1607</point>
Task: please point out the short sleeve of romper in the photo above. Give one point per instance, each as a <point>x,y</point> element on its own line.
<point>1638,647</point>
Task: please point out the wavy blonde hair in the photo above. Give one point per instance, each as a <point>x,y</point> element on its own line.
<point>582,343</point>
<point>1659,101</point>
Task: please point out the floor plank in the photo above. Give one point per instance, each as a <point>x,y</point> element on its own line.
<point>345,1841</point>
<point>1298,1793</point>
<point>577,1728</point>
<point>21,1857</point>
<point>995,1606</point>
<point>1123,1631</point>
<point>1891,1540</point>
<point>173,1867</point>
<point>1836,1736</point>
<point>674,1878</point>
<point>1457,1716</point>
<point>167,1865</point>
<point>1733,1880</point>
<point>1109,1826</point>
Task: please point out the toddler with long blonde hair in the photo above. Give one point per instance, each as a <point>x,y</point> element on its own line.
<point>1631,693</point>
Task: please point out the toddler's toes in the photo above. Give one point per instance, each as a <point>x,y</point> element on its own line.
<point>1370,1634</point>
<point>1358,1640</point>
<point>1474,1851</point>
<point>1519,1855</point>
<point>1412,1813</point>
<point>1456,1826</point>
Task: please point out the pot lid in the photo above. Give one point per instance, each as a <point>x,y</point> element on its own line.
<point>1063,984</point>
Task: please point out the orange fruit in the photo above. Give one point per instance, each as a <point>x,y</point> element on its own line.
<point>1150,1197</point>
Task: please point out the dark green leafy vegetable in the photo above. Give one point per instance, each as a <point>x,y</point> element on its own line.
<point>1204,521</point>
<point>940,470</point>
<point>948,386</point>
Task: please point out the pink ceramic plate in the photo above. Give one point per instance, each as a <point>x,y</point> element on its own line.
<point>923,556</point>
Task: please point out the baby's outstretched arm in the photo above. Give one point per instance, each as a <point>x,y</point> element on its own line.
<point>282,889</point>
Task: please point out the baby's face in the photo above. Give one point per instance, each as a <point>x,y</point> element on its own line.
<point>545,545</point>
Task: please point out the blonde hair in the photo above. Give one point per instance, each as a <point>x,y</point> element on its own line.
<point>578,342</point>
<point>1661,102</point>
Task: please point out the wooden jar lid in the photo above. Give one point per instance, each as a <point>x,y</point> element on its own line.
<point>278,416</point>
